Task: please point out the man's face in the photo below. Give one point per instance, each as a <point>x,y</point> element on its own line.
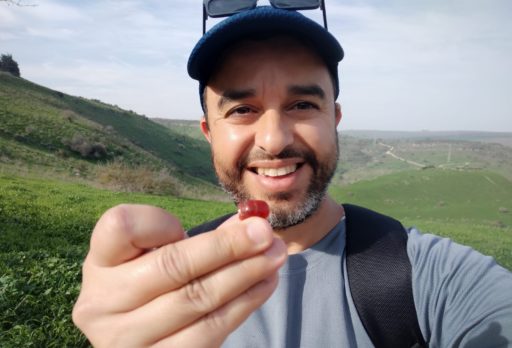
<point>272,127</point>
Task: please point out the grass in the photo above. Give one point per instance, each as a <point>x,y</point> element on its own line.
<point>46,120</point>
<point>435,194</point>
<point>45,227</point>
<point>487,239</point>
<point>471,207</point>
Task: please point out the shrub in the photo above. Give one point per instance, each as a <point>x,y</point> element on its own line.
<point>68,115</point>
<point>98,150</point>
<point>80,145</point>
<point>86,148</point>
<point>8,64</point>
<point>119,176</point>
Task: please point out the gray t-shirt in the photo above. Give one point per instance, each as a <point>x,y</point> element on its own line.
<point>463,299</point>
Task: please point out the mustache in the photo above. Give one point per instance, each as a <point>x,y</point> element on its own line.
<point>288,152</point>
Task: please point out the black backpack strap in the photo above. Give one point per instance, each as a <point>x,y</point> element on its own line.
<point>379,275</point>
<point>380,279</point>
<point>208,226</point>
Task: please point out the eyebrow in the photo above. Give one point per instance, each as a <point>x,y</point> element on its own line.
<point>313,90</point>
<point>234,94</point>
<point>237,94</point>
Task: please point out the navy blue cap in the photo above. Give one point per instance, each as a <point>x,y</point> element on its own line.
<point>263,21</point>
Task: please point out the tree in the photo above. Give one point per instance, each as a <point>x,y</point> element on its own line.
<point>9,65</point>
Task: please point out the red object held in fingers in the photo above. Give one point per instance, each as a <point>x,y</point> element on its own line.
<point>253,207</point>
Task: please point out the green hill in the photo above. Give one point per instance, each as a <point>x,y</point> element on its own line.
<point>47,130</point>
<point>364,158</point>
<point>504,138</point>
<point>476,196</point>
<point>185,127</point>
<point>364,154</point>
<point>471,207</point>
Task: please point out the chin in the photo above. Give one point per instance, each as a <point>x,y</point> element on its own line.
<point>286,213</point>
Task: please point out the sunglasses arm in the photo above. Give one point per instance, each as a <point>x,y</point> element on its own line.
<point>324,12</point>
<point>205,17</point>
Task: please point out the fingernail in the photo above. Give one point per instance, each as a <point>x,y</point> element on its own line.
<point>256,232</point>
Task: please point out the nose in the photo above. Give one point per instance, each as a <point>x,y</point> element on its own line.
<point>274,132</point>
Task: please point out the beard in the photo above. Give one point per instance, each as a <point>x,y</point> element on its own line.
<point>282,214</point>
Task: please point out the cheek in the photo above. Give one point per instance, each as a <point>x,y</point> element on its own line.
<point>233,136</point>
<point>229,144</point>
<point>319,136</point>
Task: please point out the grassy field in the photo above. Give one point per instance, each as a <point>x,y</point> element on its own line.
<point>44,232</point>
<point>436,194</point>
<point>471,207</point>
<point>45,227</point>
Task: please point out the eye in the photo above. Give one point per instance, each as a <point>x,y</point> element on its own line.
<point>304,105</point>
<point>242,110</point>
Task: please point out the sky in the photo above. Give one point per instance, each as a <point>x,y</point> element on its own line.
<point>409,65</point>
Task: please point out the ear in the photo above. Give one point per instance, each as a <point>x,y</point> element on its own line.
<point>205,129</point>
<point>337,111</point>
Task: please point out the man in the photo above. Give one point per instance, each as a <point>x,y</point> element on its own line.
<point>268,85</point>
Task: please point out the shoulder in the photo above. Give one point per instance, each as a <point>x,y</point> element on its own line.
<point>462,297</point>
<point>443,257</point>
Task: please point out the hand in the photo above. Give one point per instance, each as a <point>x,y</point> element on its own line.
<point>146,284</point>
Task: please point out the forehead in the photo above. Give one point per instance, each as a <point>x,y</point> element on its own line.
<point>252,56</point>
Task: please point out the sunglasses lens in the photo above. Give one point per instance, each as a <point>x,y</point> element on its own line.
<point>296,4</point>
<point>220,8</point>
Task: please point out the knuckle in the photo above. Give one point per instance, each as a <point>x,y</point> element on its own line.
<point>82,312</point>
<point>174,265</point>
<point>93,323</point>
<point>197,295</point>
<point>77,315</point>
<point>250,267</point>
<point>216,321</point>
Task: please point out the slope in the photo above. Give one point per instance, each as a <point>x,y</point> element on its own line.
<point>39,126</point>
<point>448,195</point>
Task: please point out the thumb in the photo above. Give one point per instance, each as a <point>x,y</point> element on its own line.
<point>129,230</point>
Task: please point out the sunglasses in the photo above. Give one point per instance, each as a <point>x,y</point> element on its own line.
<point>225,8</point>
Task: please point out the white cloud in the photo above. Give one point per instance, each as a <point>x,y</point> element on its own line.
<point>424,69</point>
<point>440,64</point>
<point>51,11</point>
<point>7,17</point>
<point>51,33</point>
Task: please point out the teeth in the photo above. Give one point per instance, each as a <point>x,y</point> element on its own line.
<point>277,171</point>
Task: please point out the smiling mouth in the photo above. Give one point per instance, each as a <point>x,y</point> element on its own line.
<point>276,172</point>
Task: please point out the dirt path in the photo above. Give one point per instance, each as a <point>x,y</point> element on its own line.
<point>489,179</point>
<point>389,152</point>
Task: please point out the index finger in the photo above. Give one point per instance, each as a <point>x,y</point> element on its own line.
<point>129,230</point>
<point>177,264</point>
